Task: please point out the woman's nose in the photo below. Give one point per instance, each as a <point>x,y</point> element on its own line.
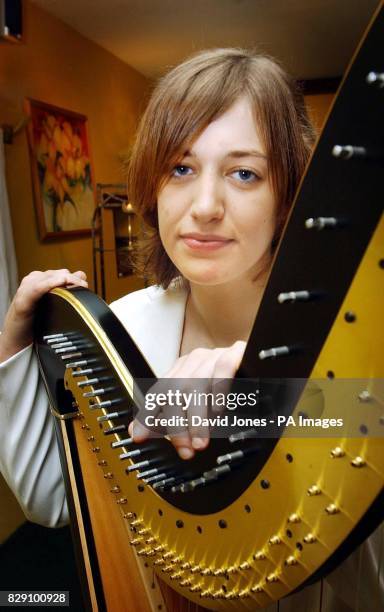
<point>208,199</point>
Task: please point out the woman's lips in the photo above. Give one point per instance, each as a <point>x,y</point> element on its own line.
<point>209,242</point>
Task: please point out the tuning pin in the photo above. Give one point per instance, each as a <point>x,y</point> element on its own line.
<point>332,509</point>
<point>245,565</point>
<point>358,462</point>
<point>243,435</point>
<point>258,588</point>
<point>106,403</point>
<point>260,555</point>
<point>294,518</point>
<point>61,344</point>
<point>186,565</point>
<point>365,397</point>
<point>337,452</point>
<point>309,538</point>
<point>87,371</point>
<point>144,475</point>
<point>156,478</point>
<point>229,457</point>
<point>348,151</point>
<point>133,453</point>
<point>51,336</point>
<point>235,456</point>
<point>191,485</point>
<point>216,472</point>
<point>159,562</point>
<point>168,555</point>
<point>136,541</point>
<point>99,392</point>
<point>218,594</point>
<point>116,429</point>
<point>141,464</point>
<point>79,364</point>
<point>70,349</point>
<point>92,381</point>
<point>120,443</point>
<point>276,351</point>
<point>167,482</point>
<point>293,296</point>
<point>112,415</point>
<point>320,223</point>
<point>291,560</point>
<point>159,548</point>
<point>72,356</point>
<point>376,79</point>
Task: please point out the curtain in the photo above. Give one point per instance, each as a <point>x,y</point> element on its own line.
<point>8,266</point>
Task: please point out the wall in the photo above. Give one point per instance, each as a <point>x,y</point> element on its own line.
<point>57,65</point>
<point>318,106</point>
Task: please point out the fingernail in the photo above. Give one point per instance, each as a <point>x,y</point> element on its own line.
<point>198,443</point>
<point>137,430</point>
<point>185,452</point>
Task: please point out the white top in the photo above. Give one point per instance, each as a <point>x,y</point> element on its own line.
<point>29,457</point>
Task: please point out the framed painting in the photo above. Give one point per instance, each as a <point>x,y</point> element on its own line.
<point>62,175</point>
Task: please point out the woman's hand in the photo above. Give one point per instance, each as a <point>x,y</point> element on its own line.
<point>220,363</point>
<point>18,325</point>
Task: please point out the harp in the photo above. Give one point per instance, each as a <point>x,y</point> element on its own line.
<point>255,533</point>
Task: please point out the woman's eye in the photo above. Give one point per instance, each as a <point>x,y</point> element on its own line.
<point>245,176</point>
<point>181,170</point>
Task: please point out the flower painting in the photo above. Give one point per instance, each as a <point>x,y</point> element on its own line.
<point>61,170</point>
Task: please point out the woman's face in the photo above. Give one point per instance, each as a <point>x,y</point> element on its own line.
<point>217,210</point>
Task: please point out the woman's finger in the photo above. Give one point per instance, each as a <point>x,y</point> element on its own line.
<point>228,362</point>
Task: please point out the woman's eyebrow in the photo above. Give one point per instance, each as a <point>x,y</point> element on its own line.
<point>235,154</point>
<point>246,153</point>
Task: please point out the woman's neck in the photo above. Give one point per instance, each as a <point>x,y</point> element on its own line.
<point>219,315</point>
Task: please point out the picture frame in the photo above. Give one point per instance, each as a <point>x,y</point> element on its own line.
<point>11,20</point>
<point>62,174</point>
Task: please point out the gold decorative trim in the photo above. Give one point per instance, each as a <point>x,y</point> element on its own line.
<point>101,336</point>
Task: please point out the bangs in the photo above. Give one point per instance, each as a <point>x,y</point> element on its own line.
<point>187,102</point>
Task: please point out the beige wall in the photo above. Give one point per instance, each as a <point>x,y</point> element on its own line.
<point>57,65</point>
<point>318,106</point>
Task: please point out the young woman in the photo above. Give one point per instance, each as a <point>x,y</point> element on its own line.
<point>218,156</point>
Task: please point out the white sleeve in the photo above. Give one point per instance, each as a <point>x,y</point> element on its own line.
<point>29,456</point>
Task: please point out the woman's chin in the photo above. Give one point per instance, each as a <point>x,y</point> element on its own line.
<point>211,275</point>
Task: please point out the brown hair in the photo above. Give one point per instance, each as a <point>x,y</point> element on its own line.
<point>185,102</point>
